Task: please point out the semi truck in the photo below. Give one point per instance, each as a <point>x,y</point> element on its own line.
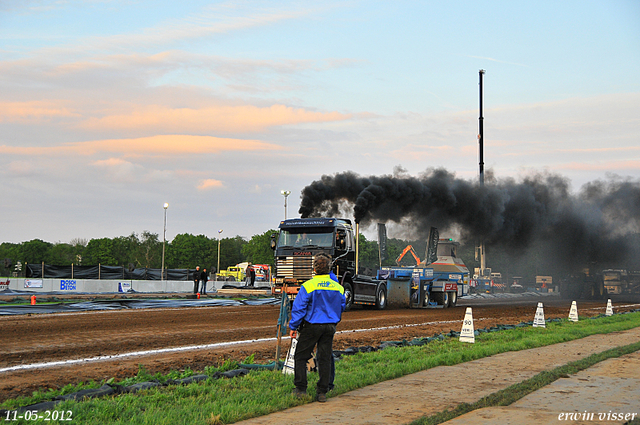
<point>299,240</point>
<point>619,281</point>
<point>587,283</point>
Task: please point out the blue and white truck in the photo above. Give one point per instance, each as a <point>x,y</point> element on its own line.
<point>438,283</point>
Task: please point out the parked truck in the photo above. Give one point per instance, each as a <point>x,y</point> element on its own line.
<point>587,283</point>
<point>618,281</point>
<point>233,273</point>
<point>424,285</point>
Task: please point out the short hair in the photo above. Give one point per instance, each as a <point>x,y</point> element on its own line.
<point>322,264</point>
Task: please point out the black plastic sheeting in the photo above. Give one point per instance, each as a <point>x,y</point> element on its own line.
<point>112,390</point>
<point>37,271</point>
<point>128,304</point>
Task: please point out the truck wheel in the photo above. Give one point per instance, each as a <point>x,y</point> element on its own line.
<point>381,297</point>
<point>348,294</point>
<point>453,298</point>
<point>232,279</point>
<point>442,298</point>
<point>425,299</point>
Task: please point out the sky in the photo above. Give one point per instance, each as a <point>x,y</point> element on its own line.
<point>110,108</point>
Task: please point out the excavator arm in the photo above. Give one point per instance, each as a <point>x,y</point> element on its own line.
<point>409,248</point>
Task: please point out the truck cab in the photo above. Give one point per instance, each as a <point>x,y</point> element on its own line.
<point>300,240</point>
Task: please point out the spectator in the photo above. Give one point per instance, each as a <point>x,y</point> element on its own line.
<point>204,277</point>
<point>316,311</point>
<point>196,279</point>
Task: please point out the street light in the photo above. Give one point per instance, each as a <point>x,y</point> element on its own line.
<point>164,238</point>
<point>285,193</point>
<point>218,271</point>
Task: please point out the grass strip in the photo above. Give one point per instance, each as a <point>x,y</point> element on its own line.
<point>515,392</point>
<point>225,401</point>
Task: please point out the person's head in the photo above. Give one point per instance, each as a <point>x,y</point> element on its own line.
<point>322,264</point>
<point>197,267</point>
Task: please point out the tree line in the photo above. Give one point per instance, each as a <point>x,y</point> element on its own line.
<point>188,251</point>
<point>139,250</point>
<point>184,251</point>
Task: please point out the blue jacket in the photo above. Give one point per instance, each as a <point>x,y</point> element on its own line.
<point>320,300</point>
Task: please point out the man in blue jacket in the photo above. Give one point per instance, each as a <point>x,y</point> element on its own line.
<point>316,311</point>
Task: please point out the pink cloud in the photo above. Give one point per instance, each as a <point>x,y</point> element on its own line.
<point>155,145</point>
<point>32,111</point>
<point>218,118</point>
<point>209,184</point>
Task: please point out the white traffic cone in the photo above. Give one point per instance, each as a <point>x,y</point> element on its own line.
<point>609,311</point>
<point>467,333</point>
<point>573,313</point>
<point>538,320</point>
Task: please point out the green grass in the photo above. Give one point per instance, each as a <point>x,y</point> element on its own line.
<point>261,392</point>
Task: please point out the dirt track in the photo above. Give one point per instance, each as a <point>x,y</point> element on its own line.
<point>42,338</point>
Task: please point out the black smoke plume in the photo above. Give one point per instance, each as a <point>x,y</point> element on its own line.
<point>593,225</point>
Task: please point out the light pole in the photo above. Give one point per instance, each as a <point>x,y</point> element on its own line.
<point>218,271</point>
<point>164,238</point>
<point>285,193</point>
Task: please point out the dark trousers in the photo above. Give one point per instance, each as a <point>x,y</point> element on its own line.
<point>310,336</point>
<point>195,286</point>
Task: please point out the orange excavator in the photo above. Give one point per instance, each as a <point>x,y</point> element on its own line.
<point>409,248</point>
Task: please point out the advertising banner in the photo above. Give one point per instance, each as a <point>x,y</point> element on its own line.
<point>68,285</point>
<point>124,286</point>
<point>33,283</point>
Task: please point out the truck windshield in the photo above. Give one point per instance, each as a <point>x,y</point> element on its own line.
<point>321,237</point>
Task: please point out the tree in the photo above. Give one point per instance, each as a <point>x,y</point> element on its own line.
<point>125,249</point>
<point>258,249</point>
<point>62,254</point>
<point>188,251</point>
<point>368,253</point>
<point>231,251</point>
<point>35,251</point>
<point>99,251</point>
<point>149,253</point>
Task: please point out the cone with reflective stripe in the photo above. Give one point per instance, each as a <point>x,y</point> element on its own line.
<point>538,320</point>
<point>609,311</point>
<point>573,313</point>
<point>467,333</point>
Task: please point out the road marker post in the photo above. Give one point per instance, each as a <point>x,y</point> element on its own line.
<point>538,319</point>
<point>573,313</point>
<point>609,311</point>
<point>467,333</point>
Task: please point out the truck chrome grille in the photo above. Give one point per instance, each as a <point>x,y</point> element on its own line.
<point>299,268</point>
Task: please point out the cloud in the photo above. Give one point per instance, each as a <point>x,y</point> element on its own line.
<point>498,61</point>
<point>33,111</point>
<point>209,184</point>
<point>422,152</point>
<point>631,165</point>
<point>218,118</point>
<point>162,145</point>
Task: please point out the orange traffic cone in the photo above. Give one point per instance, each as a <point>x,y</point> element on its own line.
<point>33,300</point>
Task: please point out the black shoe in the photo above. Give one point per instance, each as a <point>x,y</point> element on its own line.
<point>321,398</point>
<point>299,394</point>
